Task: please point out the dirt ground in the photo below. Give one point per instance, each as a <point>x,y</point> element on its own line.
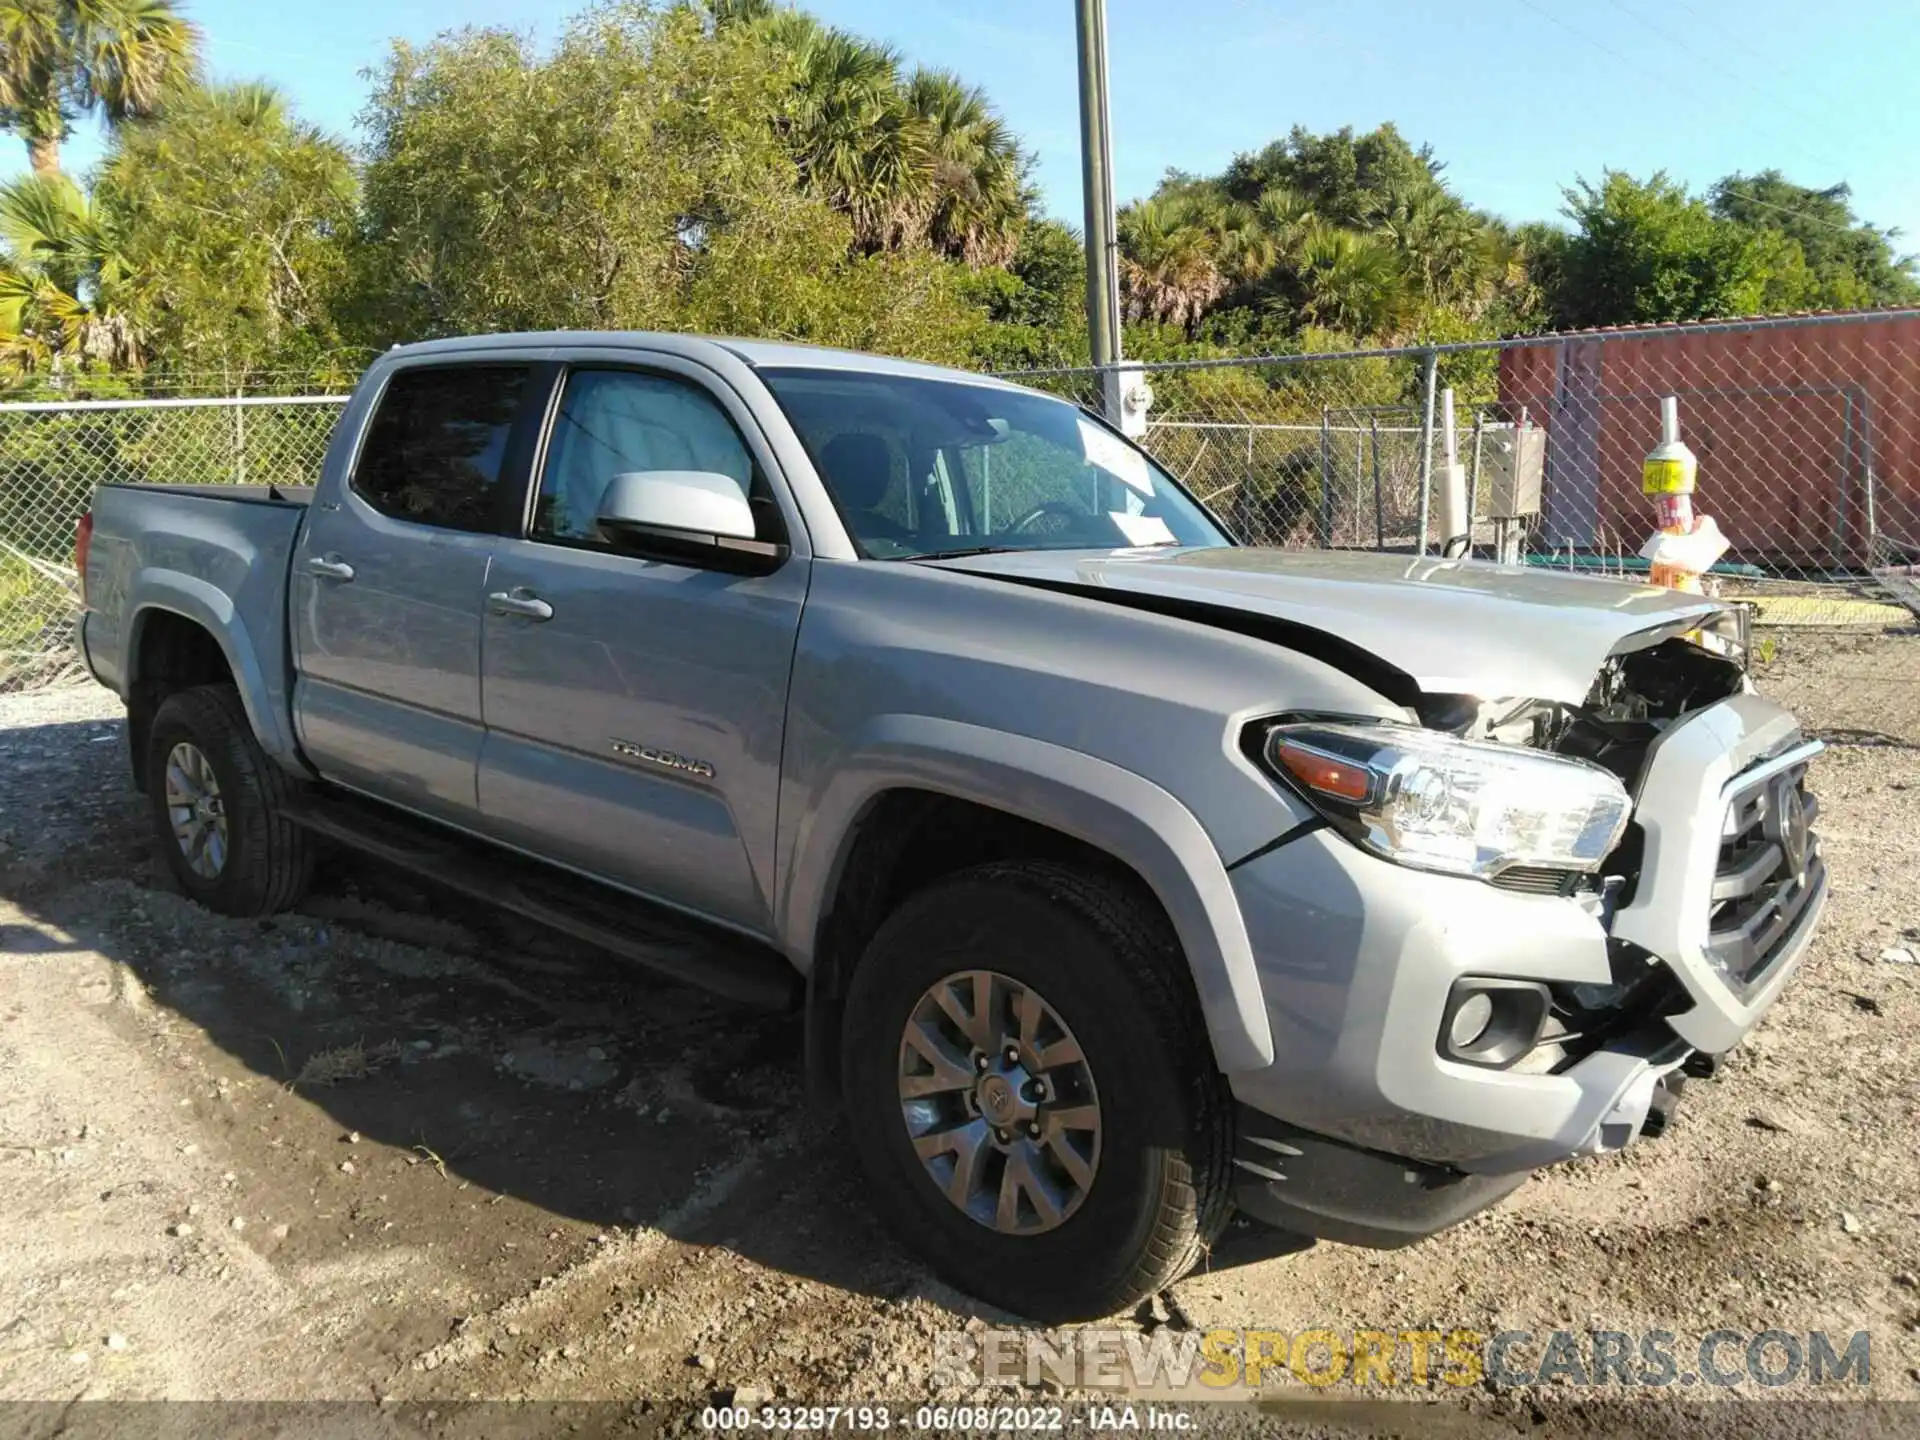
<point>399,1148</point>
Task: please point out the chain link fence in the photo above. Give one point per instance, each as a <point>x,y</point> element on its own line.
<point>53,455</point>
<point>1807,431</point>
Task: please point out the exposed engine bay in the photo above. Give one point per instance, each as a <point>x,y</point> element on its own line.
<point>1636,695</point>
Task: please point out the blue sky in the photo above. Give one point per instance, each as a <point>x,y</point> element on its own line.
<point>1517,96</point>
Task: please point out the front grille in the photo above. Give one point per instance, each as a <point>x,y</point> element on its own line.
<point>1769,868</point>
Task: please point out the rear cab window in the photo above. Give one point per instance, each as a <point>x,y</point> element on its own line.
<point>436,449</point>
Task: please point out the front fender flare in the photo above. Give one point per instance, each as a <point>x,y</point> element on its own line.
<point>1109,808</point>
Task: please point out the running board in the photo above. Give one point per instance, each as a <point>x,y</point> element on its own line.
<point>648,935</point>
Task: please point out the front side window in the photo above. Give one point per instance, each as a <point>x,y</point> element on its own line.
<point>436,446</point>
<point>619,422</point>
<point>922,467</point>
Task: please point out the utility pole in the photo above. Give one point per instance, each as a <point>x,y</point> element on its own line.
<point>1096,172</point>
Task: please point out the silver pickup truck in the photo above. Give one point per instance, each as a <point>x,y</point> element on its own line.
<point>1124,875</point>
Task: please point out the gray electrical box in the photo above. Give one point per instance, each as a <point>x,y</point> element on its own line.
<point>1513,464</point>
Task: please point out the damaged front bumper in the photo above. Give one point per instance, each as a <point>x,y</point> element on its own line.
<point>1365,1130</point>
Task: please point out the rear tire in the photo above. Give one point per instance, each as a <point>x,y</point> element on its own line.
<point>1147,1189</point>
<point>221,808</point>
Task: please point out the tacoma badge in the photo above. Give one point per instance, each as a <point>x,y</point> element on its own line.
<point>664,758</point>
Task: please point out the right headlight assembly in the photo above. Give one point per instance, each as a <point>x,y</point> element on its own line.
<point>1425,799</point>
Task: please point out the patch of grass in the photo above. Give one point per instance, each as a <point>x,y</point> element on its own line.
<point>343,1063</point>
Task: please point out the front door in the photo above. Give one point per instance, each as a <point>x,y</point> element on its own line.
<point>634,707</point>
<point>389,581</point>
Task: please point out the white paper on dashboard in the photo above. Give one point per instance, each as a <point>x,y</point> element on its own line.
<point>1115,456</point>
<point>1142,529</point>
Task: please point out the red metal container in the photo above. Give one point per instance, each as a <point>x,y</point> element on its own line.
<point>1808,433</point>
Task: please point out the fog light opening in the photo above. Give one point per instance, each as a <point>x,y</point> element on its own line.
<point>1470,1021</point>
<point>1492,1023</point>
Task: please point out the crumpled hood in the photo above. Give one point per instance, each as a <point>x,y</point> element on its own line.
<point>1454,626</point>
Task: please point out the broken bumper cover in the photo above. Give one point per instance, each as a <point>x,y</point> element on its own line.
<point>1294,1180</point>
<point>1698,774</point>
<point>1357,957</point>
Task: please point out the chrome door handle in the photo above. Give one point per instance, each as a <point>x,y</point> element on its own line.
<point>329,567</point>
<point>519,601</point>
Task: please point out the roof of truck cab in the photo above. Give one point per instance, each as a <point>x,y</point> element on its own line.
<point>761,354</point>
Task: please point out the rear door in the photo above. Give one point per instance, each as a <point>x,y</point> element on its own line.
<point>635,707</point>
<point>391,575</point>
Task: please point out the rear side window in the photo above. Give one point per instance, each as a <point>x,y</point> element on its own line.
<point>438,442</point>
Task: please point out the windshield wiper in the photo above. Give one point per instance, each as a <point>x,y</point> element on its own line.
<point>956,554</point>
<point>1027,550</point>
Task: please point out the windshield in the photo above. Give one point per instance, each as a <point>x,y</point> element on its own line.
<point>921,467</point>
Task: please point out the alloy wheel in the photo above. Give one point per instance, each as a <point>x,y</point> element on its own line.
<point>999,1102</point>
<point>196,810</point>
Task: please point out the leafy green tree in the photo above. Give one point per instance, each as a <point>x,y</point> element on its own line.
<point>638,177</point>
<point>1645,251</point>
<point>1183,184</point>
<point>233,218</point>
<point>1051,266</point>
<point>61,59</point>
<point>1354,231</point>
<point>1034,308</point>
<point>504,191</point>
<point>1342,175</point>
<point>1843,262</point>
<point>738,12</point>
<point>62,278</point>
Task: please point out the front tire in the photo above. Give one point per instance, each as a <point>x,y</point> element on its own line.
<point>1029,1087</point>
<point>221,807</point>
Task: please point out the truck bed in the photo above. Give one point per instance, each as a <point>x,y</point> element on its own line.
<point>219,555</point>
<point>301,495</point>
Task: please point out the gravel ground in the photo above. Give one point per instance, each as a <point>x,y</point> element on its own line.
<point>397,1147</point>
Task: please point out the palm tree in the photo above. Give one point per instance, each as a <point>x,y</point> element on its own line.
<point>1353,282</point>
<point>1444,243</point>
<point>230,208</point>
<point>1170,260</point>
<point>1524,264</point>
<point>740,12</point>
<point>61,273</point>
<point>61,59</point>
<point>857,142</point>
<point>1248,249</point>
<point>1288,216</point>
<point>978,195</point>
<point>920,159</point>
<point>252,104</point>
